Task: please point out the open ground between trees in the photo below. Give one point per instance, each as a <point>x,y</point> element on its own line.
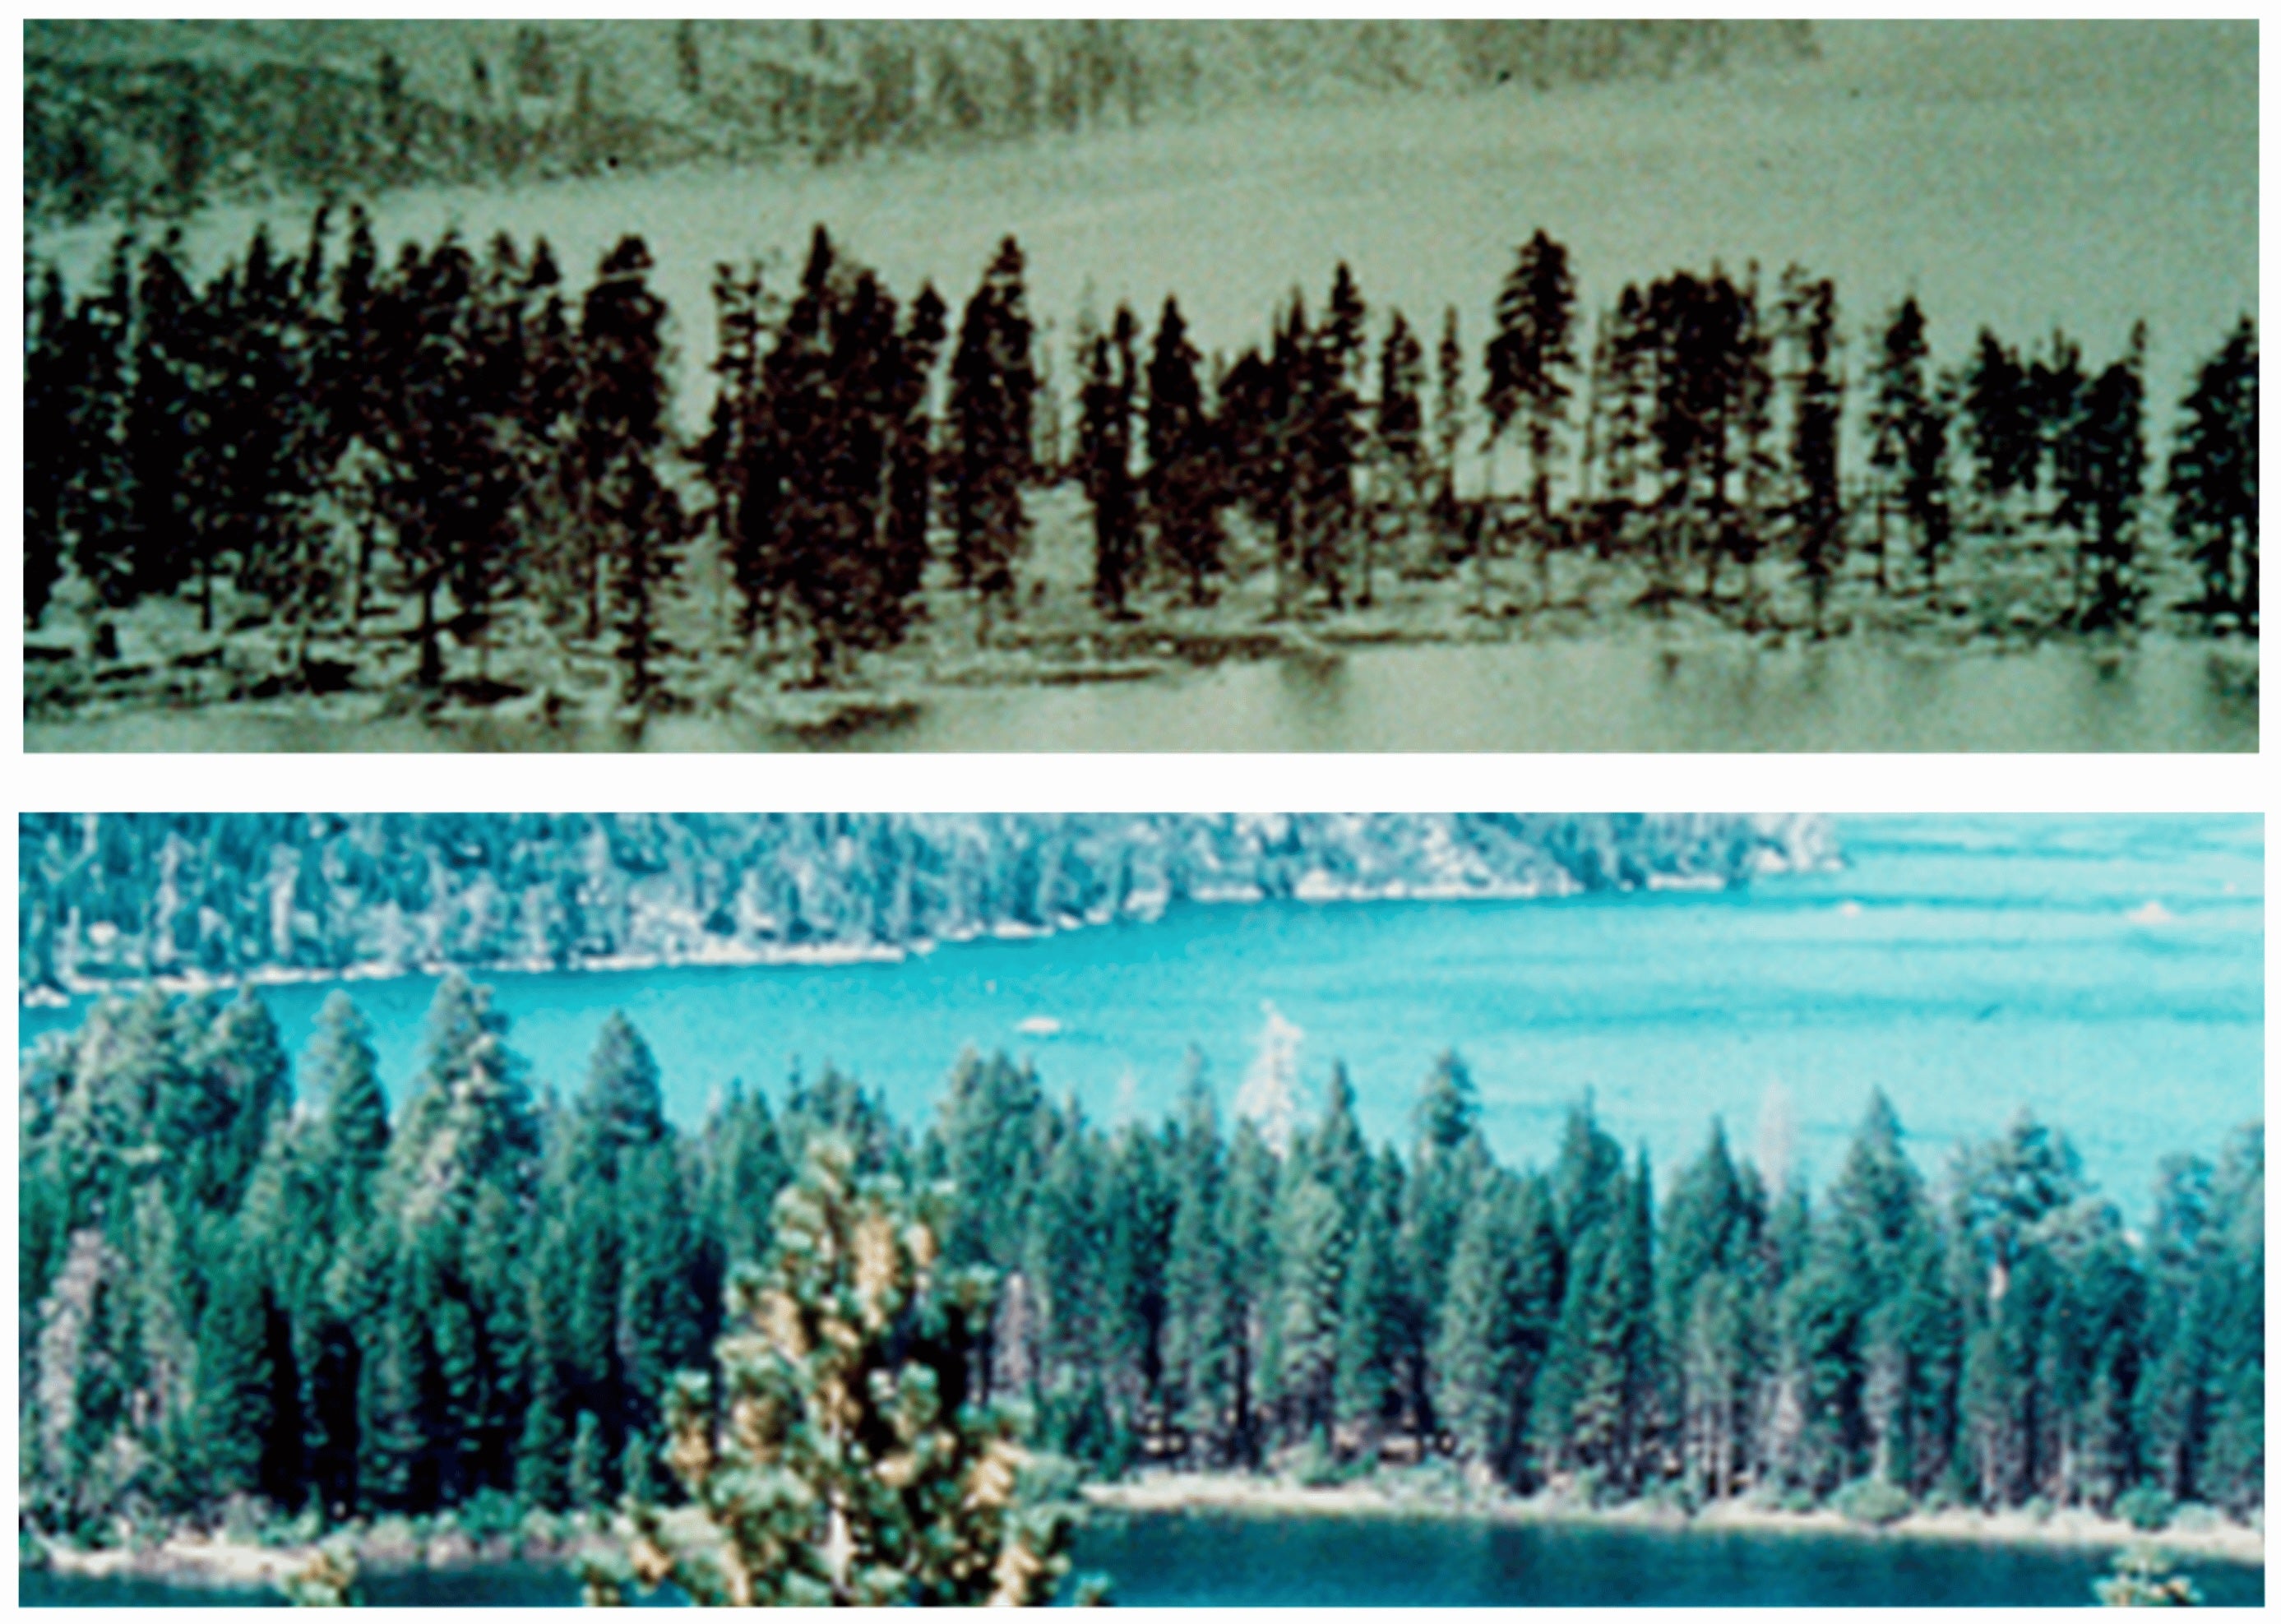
<point>360,474</point>
<point>234,1287</point>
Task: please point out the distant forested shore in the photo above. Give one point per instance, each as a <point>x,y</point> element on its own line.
<point>249,1284</point>
<point>165,117</point>
<point>110,900</point>
<point>454,478</point>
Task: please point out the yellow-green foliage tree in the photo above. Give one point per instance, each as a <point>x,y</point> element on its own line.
<point>2143,1578</point>
<point>846,1455</point>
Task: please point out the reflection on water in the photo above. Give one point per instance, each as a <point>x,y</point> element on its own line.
<point>1218,1560</point>
<point>1630,696</point>
<point>1624,694</point>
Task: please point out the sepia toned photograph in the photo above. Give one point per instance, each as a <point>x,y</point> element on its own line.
<point>1217,1211</point>
<point>1140,385</point>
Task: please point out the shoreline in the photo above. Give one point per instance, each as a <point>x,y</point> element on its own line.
<point>1828,858</point>
<point>220,1562</point>
<point>2073,1529</point>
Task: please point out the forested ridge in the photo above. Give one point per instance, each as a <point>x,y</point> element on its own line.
<point>236,1279</point>
<point>369,475</point>
<point>104,899</point>
<point>167,115</point>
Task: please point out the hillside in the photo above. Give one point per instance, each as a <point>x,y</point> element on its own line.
<point>123,115</point>
<point>110,899</point>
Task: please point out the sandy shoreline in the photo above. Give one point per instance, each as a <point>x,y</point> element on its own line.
<point>2076,1530</point>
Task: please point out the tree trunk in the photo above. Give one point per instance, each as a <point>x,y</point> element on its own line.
<point>431,652</point>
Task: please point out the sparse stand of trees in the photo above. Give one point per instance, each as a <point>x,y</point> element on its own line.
<point>239,1283</point>
<point>461,441</point>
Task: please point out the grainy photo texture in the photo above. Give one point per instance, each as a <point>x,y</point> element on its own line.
<point>1112,385</point>
<point>1226,1211</point>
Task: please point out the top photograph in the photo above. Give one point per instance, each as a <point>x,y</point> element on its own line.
<point>876,385</point>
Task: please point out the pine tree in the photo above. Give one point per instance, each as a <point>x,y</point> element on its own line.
<point>1329,363</point>
<point>623,1104</point>
<point>1899,401</point>
<point>236,1378</point>
<point>2112,457</point>
<point>1706,1277</point>
<point>93,414</point>
<point>724,457</point>
<point>1529,361</point>
<point>1105,462</point>
<point>853,1466</point>
<point>2213,481</point>
<point>1371,1309</point>
<point>621,342</point>
<point>1495,1320</point>
<point>1817,417</point>
<point>910,473</point>
<point>992,384</point>
<point>1999,424</point>
<point>1448,420</point>
<point>1401,463</point>
<point>48,448</point>
<point>1448,1164</point>
<point>1199,1320</point>
<point>1184,479</point>
<point>159,428</point>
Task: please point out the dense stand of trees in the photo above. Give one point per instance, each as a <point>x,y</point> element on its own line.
<point>453,432</point>
<point>234,1284</point>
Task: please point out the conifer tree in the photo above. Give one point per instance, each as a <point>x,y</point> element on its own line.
<point>1327,384</point>
<point>2213,481</point>
<point>1448,417</point>
<point>621,343</point>
<point>1371,1309</point>
<point>1529,359</point>
<point>2110,459</point>
<point>1105,462</point>
<point>1817,418</point>
<point>1401,461</point>
<point>49,451</point>
<point>1185,477</point>
<point>1200,1321</point>
<point>849,1462</point>
<point>725,456</point>
<point>1496,1322</point>
<point>159,428</point>
<point>1999,424</point>
<point>1899,401</point>
<point>97,495</point>
<point>992,384</point>
<point>911,470</point>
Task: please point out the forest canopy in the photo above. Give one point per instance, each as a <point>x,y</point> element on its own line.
<point>243,1278</point>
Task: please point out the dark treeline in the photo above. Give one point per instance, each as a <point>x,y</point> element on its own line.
<point>454,438</point>
<point>232,1287</point>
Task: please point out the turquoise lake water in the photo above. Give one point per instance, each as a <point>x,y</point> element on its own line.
<point>1218,1560</point>
<point>2105,973</point>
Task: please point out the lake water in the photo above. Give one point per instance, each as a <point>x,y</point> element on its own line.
<point>1628,695</point>
<point>1584,695</point>
<point>1218,1560</point>
<point>2105,972</point>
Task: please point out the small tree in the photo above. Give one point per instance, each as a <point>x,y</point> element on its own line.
<point>849,1460</point>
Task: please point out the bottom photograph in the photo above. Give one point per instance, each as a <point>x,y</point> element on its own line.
<point>1161,1209</point>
